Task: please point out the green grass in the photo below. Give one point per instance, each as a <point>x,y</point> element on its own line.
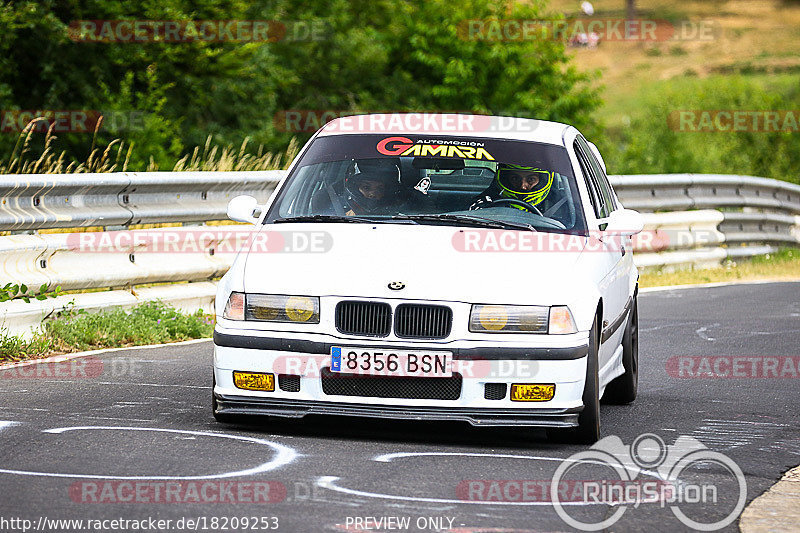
<point>74,331</point>
<point>115,156</point>
<point>782,265</point>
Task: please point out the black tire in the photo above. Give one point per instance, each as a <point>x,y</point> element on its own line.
<point>623,389</point>
<point>219,417</point>
<point>588,430</point>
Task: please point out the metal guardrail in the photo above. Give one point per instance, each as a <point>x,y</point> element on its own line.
<point>755,215</point>
<point>691,221</point>
<point>684,192</point>
<point>46,201</point>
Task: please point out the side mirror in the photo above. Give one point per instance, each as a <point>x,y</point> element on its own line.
<point>243,209</point>
<point>625,222</point>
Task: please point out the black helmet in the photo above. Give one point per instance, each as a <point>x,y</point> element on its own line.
<point>382,174</point>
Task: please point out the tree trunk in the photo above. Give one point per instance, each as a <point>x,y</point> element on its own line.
<point>630,9</point>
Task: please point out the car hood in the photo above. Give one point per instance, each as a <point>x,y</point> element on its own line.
<point>432,262</point>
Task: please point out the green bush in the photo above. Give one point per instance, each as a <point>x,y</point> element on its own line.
<point>650,144</point>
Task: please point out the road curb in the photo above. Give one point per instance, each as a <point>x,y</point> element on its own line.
<point>778,509</point>
<point>68,356</point>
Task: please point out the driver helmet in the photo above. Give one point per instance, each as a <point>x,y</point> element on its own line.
<point>381,182</point>
<point>512,178</point>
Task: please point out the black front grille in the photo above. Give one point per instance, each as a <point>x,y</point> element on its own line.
<point>373,319</point>
<point>337,384</point>
<point>495,391</point>
<point>415,321</point>
<point>289,382</point>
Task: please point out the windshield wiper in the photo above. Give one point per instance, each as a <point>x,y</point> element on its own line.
<point>464,219</point>
<point>323,218</point>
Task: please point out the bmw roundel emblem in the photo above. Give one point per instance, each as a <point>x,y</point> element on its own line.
<point>396,285</point>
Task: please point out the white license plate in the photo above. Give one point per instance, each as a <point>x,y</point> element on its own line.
<point>387,362</point>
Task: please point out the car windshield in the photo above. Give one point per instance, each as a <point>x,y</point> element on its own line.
<point>432,180</point>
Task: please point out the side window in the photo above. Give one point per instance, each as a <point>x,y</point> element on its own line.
<point>596,197</point>
<point>600,175</point>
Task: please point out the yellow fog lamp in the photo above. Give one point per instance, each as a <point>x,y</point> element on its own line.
<point>532,392</point>
<point>254,381</point>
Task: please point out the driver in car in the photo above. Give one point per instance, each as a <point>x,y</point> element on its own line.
<point>372,189</point>
<point>530,185</point>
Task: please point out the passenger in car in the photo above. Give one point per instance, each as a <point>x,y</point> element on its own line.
<point>528,184</point>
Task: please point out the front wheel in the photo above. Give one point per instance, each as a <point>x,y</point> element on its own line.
<point>588,430</point>
<point>624,388</point>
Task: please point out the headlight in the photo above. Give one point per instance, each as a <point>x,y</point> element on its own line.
<point>234,309</point>
<point>508,319</point>
<point>561,321</point>
<point>275,308</point>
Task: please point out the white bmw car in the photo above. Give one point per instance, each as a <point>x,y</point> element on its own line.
<point>453,267</point>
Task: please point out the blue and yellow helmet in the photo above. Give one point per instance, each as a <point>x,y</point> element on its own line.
<point>505,180</point>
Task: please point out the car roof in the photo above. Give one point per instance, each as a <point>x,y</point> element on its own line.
<point>449,124</point>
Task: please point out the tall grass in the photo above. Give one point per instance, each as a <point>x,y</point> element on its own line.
<point>115,156</point>
<point>76,330</point>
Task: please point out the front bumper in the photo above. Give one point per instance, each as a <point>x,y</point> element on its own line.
<point>486,362</point>
<point>244,405</point>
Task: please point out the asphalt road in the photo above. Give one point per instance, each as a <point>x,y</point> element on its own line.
<point>69,440</point>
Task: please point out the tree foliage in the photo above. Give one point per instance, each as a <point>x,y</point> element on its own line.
<point>375,55</point>
<point>655,144</point>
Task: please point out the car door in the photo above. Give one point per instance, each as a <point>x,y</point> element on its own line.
<point>614,261</point>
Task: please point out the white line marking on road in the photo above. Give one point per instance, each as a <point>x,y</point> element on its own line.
<point>284,455</point>
<point>701,332</point>
<point>171,386</point>
<point>389,457</point>
<point>7,423</point>
<point>122,419</point>
<point>329,482</point>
